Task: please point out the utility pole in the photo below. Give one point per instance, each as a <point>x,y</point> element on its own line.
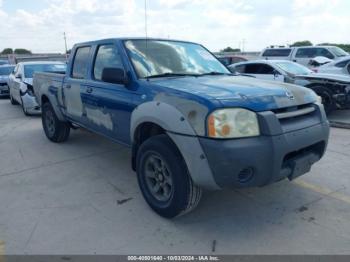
<point>65,41</point>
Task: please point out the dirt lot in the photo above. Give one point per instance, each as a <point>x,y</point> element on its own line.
<point>81,197</point>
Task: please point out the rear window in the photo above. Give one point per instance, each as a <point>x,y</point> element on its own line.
<point>81,62</point>
<point>277,52</point>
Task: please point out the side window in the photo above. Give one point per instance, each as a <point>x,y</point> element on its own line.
<point>252,69</point>
<point>81,62</point>
<point>324,52</point>
<point>240,69</point>
<point>107,57</point>
<point>260,69</point>
<point>306,53</point>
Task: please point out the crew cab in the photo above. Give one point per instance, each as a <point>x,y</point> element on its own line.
<point>190,123</point>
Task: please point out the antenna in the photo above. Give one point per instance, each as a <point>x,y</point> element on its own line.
<point>65,44</point>
<point>146,28</point>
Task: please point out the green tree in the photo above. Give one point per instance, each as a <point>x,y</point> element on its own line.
<point>7,51</point>
<point>302,43</point>
<point>22,51</point>
<point>230,49</point>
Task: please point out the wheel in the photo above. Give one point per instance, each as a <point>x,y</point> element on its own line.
<point>164,179</point>
<point>327,98</point>
<point>25,112</point>
<point>55,130</point>
<point>13,102</point>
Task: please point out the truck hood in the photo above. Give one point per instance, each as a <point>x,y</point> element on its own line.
<point>240,91</point>
<point>320,76</point>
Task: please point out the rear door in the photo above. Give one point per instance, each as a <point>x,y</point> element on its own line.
<point>74,86</point>
<point>108,106</point>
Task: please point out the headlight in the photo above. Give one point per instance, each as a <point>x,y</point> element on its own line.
<point>233,123</point>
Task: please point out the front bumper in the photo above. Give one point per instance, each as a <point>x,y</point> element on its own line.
<point>4,90</point>
<point>30,104</point>
<point>254,162</point>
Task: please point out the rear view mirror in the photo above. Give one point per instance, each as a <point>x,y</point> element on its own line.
<point>114,76</point>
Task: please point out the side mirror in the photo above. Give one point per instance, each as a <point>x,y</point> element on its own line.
<point>276,74</point>
<point>114,76</point>
<point>348,67</point>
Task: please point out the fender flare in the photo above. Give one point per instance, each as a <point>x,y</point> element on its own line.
<point>55,105</point>
<point>182,134</point>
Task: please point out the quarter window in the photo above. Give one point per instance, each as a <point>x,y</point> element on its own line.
<point>81,62</point>
<point>107,57</point>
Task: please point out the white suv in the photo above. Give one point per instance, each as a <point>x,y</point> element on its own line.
<point>303,55</point>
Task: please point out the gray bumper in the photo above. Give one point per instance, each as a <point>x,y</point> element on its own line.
<point>260,161</point>
<point>30,104</point>
<point>285,149</point>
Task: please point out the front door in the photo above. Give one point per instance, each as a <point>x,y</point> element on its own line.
<point>108,106</point>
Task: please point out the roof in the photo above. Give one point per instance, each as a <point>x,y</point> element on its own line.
<point>132,38</point>
<point>40,63</point>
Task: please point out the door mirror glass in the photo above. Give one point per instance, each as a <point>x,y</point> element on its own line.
<point>114,76</point>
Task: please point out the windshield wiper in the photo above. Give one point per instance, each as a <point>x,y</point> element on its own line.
<point>216,74</point>
<point>170,75</point>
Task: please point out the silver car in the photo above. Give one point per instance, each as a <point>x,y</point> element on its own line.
<point>5,71</point>
<point>21,83</point>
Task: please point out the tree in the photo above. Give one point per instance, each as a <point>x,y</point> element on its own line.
<point>302,43</point>
<point>22,51</point>
<point>7,51</point>
<point>230,49</point>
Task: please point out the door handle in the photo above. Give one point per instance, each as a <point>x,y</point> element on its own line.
<point>89,90</point>
<point>68,86</point>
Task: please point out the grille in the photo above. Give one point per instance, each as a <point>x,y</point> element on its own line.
<point>294,112</point>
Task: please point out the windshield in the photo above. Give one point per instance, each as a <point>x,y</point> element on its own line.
<point>293,68</point>
<point>29,70</point>
<point>161,57</point>
<point>5,71</point>
<point>338,52</point>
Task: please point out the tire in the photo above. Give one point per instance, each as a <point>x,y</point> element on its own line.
<point>181,195</point>
<point>13,102</point>
<point>23,109</point>
<point>55,130</point>
<point>327,98</point>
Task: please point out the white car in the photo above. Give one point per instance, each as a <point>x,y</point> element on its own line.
<point>21,83</point>
<point>333,89</point>
<point>341,67</point>
<point>303,55</point>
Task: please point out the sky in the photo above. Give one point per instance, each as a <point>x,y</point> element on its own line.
<point>38,25</point>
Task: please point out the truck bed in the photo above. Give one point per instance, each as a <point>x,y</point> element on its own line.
<point>49,81</point>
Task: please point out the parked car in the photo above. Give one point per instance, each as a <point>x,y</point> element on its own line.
<point>231,59</point>
<point>336,67</point>
<point>4,62</point>
<point>5,71</point>
<point>189,122</point>
<point>333,89</point>
<point>303,55</point>
<point>21,83</point>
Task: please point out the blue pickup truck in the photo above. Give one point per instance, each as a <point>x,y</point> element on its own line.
<point>190,123</point>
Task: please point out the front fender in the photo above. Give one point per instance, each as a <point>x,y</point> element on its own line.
<point>182,134</point>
